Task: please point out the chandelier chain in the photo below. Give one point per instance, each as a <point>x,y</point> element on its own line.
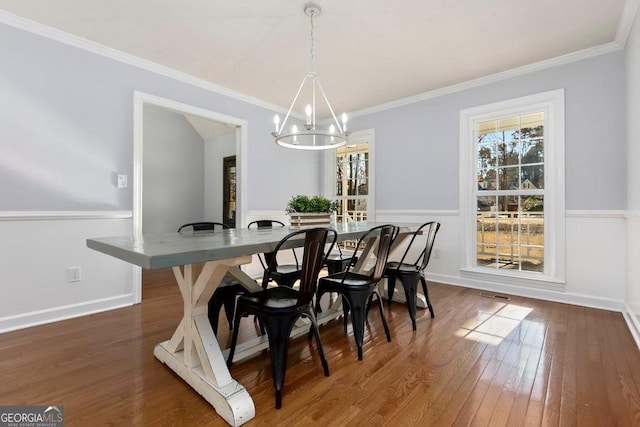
<point>313,58</point>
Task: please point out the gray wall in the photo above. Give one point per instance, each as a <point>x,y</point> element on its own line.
<point>633,117</point>
<point>66,130</point>
<point>418,144</point>
<point>633,165</point>
<point>173,171</point>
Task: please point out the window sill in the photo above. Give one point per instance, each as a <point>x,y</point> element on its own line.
<point>525,279</point>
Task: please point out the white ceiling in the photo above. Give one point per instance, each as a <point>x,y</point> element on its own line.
<point>367,52</point>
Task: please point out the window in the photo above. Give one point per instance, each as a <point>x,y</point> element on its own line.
<point>350,178</point>
<point>352,183</point>
<point>512,187</point>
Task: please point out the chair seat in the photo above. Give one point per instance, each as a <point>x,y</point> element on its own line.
<point>288,269</point>
<point>228,281</point>
<point>277,298</point>
<point>398,268</point>
<point>339,262</point>
<point>351,280</point>
<point>224,296</point>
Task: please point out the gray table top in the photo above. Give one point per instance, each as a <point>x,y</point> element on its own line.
<point>155,251</point>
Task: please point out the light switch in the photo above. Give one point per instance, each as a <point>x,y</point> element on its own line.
<point>122,181</point>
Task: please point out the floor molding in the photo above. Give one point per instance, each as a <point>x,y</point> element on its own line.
<point>537,293</point>
<point>632,323</point>
<point>41,317</point>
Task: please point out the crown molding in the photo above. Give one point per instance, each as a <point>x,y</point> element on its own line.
<point>622,34</point>
<point>503,75</point>
<point>626,21</point>
<point>117,55</point>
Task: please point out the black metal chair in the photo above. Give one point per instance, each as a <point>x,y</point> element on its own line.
<point>225,294</point>
<point>410,274</point>
<point>283,275</point>
<point>339,262</point>
<point>278,308</point>
<point>357,289</point>
<point>203,226</point>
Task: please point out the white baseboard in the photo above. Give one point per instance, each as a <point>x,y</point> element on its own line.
<point>632,324</point>
<point>26,320</point>
<point>537,293</point>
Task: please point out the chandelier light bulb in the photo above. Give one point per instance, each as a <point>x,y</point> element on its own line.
<point>308,110</point>
<point>276,121</point>
<point>332,130</point>
<point>294,130</point>
<point>344,119</point>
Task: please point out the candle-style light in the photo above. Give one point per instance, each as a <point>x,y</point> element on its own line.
<point>308,111</point>
<point>276,121</point>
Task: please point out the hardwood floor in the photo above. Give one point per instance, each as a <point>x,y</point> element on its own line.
<point>481,361</point>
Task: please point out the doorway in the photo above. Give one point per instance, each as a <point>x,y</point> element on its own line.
<point>239,136</point>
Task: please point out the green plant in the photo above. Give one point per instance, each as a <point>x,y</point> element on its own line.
<point>306,204</point>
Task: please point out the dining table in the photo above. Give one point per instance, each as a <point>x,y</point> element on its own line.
<point>200,261</point>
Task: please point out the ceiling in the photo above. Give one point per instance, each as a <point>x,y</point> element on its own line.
<point>367,52</point>
<point>209,129</point>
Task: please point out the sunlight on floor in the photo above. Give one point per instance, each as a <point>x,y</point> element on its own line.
<point>492,326</point>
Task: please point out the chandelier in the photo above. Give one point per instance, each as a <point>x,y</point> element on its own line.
<point>311,137</point>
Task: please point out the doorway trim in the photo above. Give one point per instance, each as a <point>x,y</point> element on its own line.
<point>139,101</point>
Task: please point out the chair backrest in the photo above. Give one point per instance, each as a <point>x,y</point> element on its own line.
<point>430,229</point>
<point>313,257</point>
<point>385,234</point>
<point>265,223</point>
<point>269,223</point>
<point>388,234</point>
<point>203,225</point>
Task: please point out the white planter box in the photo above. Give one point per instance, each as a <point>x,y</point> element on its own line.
<point>305,220</point>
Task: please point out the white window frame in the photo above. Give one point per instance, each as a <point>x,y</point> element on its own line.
<point>552,104</point>
<point>329,179</point>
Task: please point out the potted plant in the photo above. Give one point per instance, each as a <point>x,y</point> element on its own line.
<point>305,211</point>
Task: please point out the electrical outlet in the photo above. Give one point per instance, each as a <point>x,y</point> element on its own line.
<point>73,274</point>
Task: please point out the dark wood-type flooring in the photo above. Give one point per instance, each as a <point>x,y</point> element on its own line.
<point>481,361</point>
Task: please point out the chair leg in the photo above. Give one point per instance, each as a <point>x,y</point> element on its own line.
<point>345,311</point>
<point>215,304</point>
<point>358,301</point>
<point>382,315</point>
<point>426,295</point>
<point>391,286</point>
<point>278,331</point>
<point>314,329</point>
<point>229,308</point>
<point>410,285</point>
<point>234,336</point>
<point>318,298</point>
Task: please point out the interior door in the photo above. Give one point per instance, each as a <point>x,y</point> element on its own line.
<point>229,192</point>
